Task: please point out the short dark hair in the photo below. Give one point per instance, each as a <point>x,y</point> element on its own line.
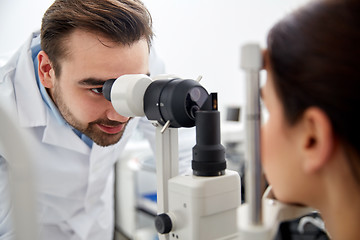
<point>124,21</point>
<point>314,54</point>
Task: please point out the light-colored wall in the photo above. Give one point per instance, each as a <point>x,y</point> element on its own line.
<point>194,37</point>
<point>18,18</point>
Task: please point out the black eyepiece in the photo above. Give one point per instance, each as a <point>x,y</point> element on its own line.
<point>106,89</point>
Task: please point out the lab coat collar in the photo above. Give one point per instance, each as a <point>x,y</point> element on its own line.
<point>30,106</point>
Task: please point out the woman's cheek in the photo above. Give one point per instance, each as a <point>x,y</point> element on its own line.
<point>269,151</point>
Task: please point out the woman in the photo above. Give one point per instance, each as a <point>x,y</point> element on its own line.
<point>311,143</point>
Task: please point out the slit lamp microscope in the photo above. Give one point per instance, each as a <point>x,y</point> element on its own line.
<point>207,203</point>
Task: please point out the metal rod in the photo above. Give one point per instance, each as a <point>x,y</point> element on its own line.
<point>251,62</point>
<point>167,166</point>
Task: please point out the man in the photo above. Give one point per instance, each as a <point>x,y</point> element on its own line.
<point>76,136</point>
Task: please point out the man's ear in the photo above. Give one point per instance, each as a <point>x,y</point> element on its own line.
<point>317,141</point>
<point>46,71</point>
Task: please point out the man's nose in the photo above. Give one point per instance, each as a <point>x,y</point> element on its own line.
<point>111,114</point>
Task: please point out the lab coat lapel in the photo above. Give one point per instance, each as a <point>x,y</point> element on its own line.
<point>103,158</point>
<point>63,136</point>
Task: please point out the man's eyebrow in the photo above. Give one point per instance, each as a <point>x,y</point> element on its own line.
<point>96,81</point>
<point>92,82</point>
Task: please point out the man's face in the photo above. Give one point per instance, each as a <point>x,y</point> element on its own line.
<point>77,91</point>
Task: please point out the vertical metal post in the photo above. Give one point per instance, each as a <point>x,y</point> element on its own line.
<point>167,166</point>
<point>251,62</point>
<point>15,149</point>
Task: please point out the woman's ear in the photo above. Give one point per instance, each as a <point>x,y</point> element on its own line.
<point>46,71</point>
<point>317,141</point>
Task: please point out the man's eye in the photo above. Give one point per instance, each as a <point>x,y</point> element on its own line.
<point>97,90</point>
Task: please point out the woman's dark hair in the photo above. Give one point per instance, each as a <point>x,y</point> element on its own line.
<point>315,56</point>
<point>123,21</point>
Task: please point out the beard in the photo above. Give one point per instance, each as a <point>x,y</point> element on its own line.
<point>89,129</point>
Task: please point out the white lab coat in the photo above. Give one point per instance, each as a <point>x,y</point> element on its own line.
<point>74,183</point>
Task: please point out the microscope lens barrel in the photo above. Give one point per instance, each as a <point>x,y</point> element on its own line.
<point>208,153</point>
<point>174,100</point>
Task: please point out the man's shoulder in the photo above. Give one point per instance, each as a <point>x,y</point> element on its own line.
<point>7,91</point>
<point>7,71</point>
<point>19,60</point>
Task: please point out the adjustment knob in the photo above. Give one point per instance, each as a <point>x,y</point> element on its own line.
<point>163,223</point>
